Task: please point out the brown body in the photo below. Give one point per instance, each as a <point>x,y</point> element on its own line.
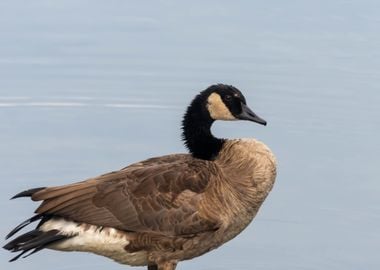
<point>170,208</point>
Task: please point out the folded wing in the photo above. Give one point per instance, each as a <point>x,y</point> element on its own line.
<point>159,195</point>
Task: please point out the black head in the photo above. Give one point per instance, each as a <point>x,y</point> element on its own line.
<point>218,102</point>
<point>225,102</point>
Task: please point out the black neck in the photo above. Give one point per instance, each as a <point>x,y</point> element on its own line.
<point>197,135</point>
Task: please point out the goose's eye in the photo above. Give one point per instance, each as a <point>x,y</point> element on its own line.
<point>228,97</point>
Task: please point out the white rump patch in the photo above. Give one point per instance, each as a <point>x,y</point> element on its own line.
<point>105,241</point>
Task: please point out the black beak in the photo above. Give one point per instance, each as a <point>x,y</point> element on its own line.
<point>248,114</point>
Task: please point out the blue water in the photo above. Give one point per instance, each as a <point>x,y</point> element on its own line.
<point>88,87</point>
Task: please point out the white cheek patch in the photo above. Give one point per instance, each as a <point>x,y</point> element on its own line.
<point>217,109</point>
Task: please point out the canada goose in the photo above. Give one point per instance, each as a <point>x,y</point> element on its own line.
<point>166,209</point>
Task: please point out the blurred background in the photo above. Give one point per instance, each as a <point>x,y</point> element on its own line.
<point>87,87</point>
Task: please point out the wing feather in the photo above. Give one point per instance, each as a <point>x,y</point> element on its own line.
<point>156,195</point>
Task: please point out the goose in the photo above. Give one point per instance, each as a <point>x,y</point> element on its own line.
<point>166,209</point>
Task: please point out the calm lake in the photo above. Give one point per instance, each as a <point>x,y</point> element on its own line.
<point>87,87</point>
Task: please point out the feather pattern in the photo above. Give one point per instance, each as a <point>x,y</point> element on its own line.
<point>130,198</point>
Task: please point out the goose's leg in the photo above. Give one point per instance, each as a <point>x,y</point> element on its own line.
<point>167,266</point>
<point>152,267</point>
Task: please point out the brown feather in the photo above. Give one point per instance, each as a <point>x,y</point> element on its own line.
<point>52,192</point>
<point>142,197</point>
<point>69,196</point>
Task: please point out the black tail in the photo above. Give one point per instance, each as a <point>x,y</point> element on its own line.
<point>33,241</point>
<point>23,224</point>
